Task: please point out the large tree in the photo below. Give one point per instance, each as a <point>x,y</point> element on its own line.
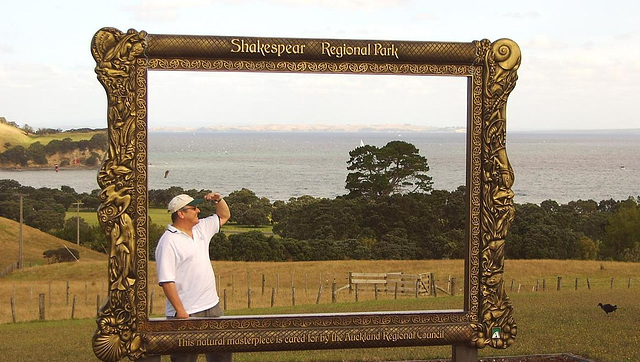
<point>395,168</point>
<point>248,209</point>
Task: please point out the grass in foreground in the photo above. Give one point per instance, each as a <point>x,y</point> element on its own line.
<point>550,322</point>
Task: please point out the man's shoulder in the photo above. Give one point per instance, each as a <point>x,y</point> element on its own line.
<point>210,219</point>
<point>168,235</point>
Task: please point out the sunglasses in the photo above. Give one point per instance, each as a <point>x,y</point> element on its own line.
<point>185,209</point>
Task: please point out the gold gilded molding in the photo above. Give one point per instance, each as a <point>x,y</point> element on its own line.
<point>304,66</point>
<point>497,326</point>
<point>116,54</point>
<point>123,60</point>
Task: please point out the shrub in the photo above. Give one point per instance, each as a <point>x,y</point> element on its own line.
<point>61,255</point>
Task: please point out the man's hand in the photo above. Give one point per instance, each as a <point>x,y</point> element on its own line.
<point>182,314</point>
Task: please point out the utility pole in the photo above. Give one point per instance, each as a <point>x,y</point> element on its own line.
<point>78,221</point>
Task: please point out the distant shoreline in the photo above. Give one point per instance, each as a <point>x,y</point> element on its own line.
<point>47,168</point>
<point>374,129</point>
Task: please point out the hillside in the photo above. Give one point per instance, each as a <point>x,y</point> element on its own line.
<point>35,242</point>
<point>73,149</point>
<point>12,135</point>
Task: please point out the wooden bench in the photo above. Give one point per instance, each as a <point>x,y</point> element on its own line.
<point>398,283</point>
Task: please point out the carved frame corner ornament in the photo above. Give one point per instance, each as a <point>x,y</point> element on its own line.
<point>123,60</point>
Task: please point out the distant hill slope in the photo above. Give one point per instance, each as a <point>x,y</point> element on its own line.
<point>74,149</point>
<point>17,137</point>
<point>12,135</point>
<point>35,242</point>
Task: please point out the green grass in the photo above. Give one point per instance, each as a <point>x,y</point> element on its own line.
<point>161,217</point>
<point>548,323</point>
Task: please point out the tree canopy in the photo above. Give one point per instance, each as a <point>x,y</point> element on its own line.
<point>395,168</point>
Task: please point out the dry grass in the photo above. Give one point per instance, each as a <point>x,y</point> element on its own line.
<point>16,137</point>
<point>34,243</point>
<point>235,278</point>
<point>88,282</point>
<point>565,321</point>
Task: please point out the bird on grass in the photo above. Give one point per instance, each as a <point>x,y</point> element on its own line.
<point>608,308</point>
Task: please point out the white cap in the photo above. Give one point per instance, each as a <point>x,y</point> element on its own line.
<point>181,201</point>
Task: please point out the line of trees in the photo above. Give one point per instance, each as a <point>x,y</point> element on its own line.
<point>390,212</point>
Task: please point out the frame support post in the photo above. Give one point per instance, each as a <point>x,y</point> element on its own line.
<point>464,353</point>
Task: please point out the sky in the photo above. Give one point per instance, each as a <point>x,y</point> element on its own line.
<point>580,65</point>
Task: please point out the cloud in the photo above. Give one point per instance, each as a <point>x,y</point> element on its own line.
<point>5,48</point>
<point>542,43</point>
<point>366,5</point>
<point>161,10</point>
<point>425,16</point>
<point>523,15</point>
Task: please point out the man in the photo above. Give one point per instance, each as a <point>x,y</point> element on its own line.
<point>184,269</point>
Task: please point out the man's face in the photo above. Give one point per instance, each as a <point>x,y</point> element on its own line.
<point>190,214</point>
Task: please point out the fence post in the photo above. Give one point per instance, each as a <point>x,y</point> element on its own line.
<point>559,283</point>
<point>151,303</point>
<point>395,291</point>
<point>273,296</point>
<point>293,296</point>
<point>544,285</point>
<point>513,281</point>
<point>357,289</point>
<point>629,283</point>
<point>576,286</point>
<point>588,284</point>
<point>333,292</point>
<point>224,298</point>
<point>375,290</point>
<point>453,287</point>
<point>86,293</point>
<point>249,298</point>
<point>417,287</point>
<point>611,283</point>
<point>41,306</point>
<point>73,307</point>
<point>350,282</point>
<point>67,292</point>
<point>264,281</point>
<point>433,285</point>
<point>13,310</point>
<point>319,293</point>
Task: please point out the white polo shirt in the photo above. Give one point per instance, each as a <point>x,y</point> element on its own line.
<point>185,261</point>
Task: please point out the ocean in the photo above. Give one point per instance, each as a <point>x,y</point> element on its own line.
<point>560,166</point>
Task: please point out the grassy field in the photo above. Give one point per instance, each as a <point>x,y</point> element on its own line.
<point>16,137</point>
<point>161,217</point>
<point>550,321</point>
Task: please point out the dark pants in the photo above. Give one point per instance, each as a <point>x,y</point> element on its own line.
<point>215,311</point>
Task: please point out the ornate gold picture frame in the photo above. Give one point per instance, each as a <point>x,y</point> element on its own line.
<point>122,63</point>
